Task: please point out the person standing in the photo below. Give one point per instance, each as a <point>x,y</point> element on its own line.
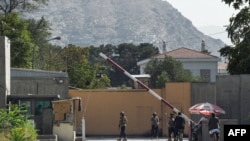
<point>155,121</point>
<point>122,126</point>
<point>213,126</point>
<point>171,130</point>
<point>179,123</point>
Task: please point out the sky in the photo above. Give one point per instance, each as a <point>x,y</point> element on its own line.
<point>205,13</point>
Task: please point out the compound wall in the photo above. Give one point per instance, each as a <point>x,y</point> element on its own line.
<point>102,107</point>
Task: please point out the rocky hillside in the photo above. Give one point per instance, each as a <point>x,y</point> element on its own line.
<point>95,22</point>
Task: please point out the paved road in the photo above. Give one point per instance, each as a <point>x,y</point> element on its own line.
<point>129,139</point>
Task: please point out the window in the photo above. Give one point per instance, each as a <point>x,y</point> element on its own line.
<point>205,75</point>
<point>26,105</point>
<point>40,105</point>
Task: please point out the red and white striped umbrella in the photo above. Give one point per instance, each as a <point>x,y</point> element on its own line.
<point>206,109</point>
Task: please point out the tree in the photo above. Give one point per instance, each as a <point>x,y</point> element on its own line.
<point>28,37</point>
<point>166,70</point>
<point>28,40</point>
<point>39,31</point>
<point>239,33</point>
<point>15,124</point>
<point>83,74</point>
<point>126,55</point>
<point>9,6</point>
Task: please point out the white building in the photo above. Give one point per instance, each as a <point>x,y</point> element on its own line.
<point>198,63</point>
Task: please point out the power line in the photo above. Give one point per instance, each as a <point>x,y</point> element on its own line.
<point>216,33</point>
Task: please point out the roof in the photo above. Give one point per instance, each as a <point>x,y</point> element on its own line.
<point>33,96</point>
<point>141,76</point>
<point>21,72</point>
<point>185,53</point>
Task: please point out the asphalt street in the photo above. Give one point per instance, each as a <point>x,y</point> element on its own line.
<point>129,139</point>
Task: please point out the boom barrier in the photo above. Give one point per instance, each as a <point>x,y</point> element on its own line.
<point>144,86</point>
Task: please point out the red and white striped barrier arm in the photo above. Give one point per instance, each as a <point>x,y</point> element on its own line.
<point>144,86</point>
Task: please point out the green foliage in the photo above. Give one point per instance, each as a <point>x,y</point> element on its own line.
<point>15,29</point>
<point>123,86</point>
<point>166,70</point>
<point>26,132</point>
<point>239,59</point>
<point>82,74</point>
<point>29,47</point>
<point>162,78</point>
<point>126,55</point>
<point>39,31</point>
<point>12,117</point>
<point>15,124</point>
<point>239,33</point>
<point>86,76</point>
<point>236,3</point>
<point>196,79</point>
<point>28,37</point>
<point>9,6</point>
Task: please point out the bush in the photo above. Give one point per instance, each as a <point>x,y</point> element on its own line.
<point>15,126</point>
<point>26,132</point>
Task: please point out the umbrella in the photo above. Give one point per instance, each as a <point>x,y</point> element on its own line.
<point>206,109</point>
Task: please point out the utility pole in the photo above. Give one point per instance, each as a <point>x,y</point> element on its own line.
<point>33,57</point>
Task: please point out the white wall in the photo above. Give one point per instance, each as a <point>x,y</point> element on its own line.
<point>4,69</point>
<point>195,65</point>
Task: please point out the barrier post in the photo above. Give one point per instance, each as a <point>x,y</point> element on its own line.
<point>83,129</point>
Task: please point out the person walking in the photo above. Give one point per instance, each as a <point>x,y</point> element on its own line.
<point>179,123</point>
<point>171,130</point>
<point>122,126</point>
<point>155,121</point>
<point>213,126</point>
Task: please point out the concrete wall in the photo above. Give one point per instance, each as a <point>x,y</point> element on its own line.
<point>232,94</point>
<point>39,86</point>
<point>202,92</point>
<point>244,100</point>
<point>229,92</point>
<point>101,108</point>
<point>4,69</point>
<point>179,95</point>
<point>205,133</point>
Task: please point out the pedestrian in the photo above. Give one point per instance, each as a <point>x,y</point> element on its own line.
<point>122,126</point>
<point>179,123</point>
<point>213,126</point>
<point>171,130</point>
<point>155,121</point>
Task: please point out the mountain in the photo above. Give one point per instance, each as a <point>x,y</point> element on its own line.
<point>96,22</point>
<point>216,32</point>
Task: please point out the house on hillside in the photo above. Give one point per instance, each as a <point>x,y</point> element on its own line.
<point>198,63</point>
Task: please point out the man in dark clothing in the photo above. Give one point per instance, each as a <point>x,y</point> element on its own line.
<point>171,130</point>
<point>155,125</point>
<point>179,123</point>
<point>213,126</point>
<point>122,125</point>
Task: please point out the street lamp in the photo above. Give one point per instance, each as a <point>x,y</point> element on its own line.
<point>33,58</point>
<point>55,38</point>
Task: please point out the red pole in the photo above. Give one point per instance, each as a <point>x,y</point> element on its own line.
<point>144,86</point>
